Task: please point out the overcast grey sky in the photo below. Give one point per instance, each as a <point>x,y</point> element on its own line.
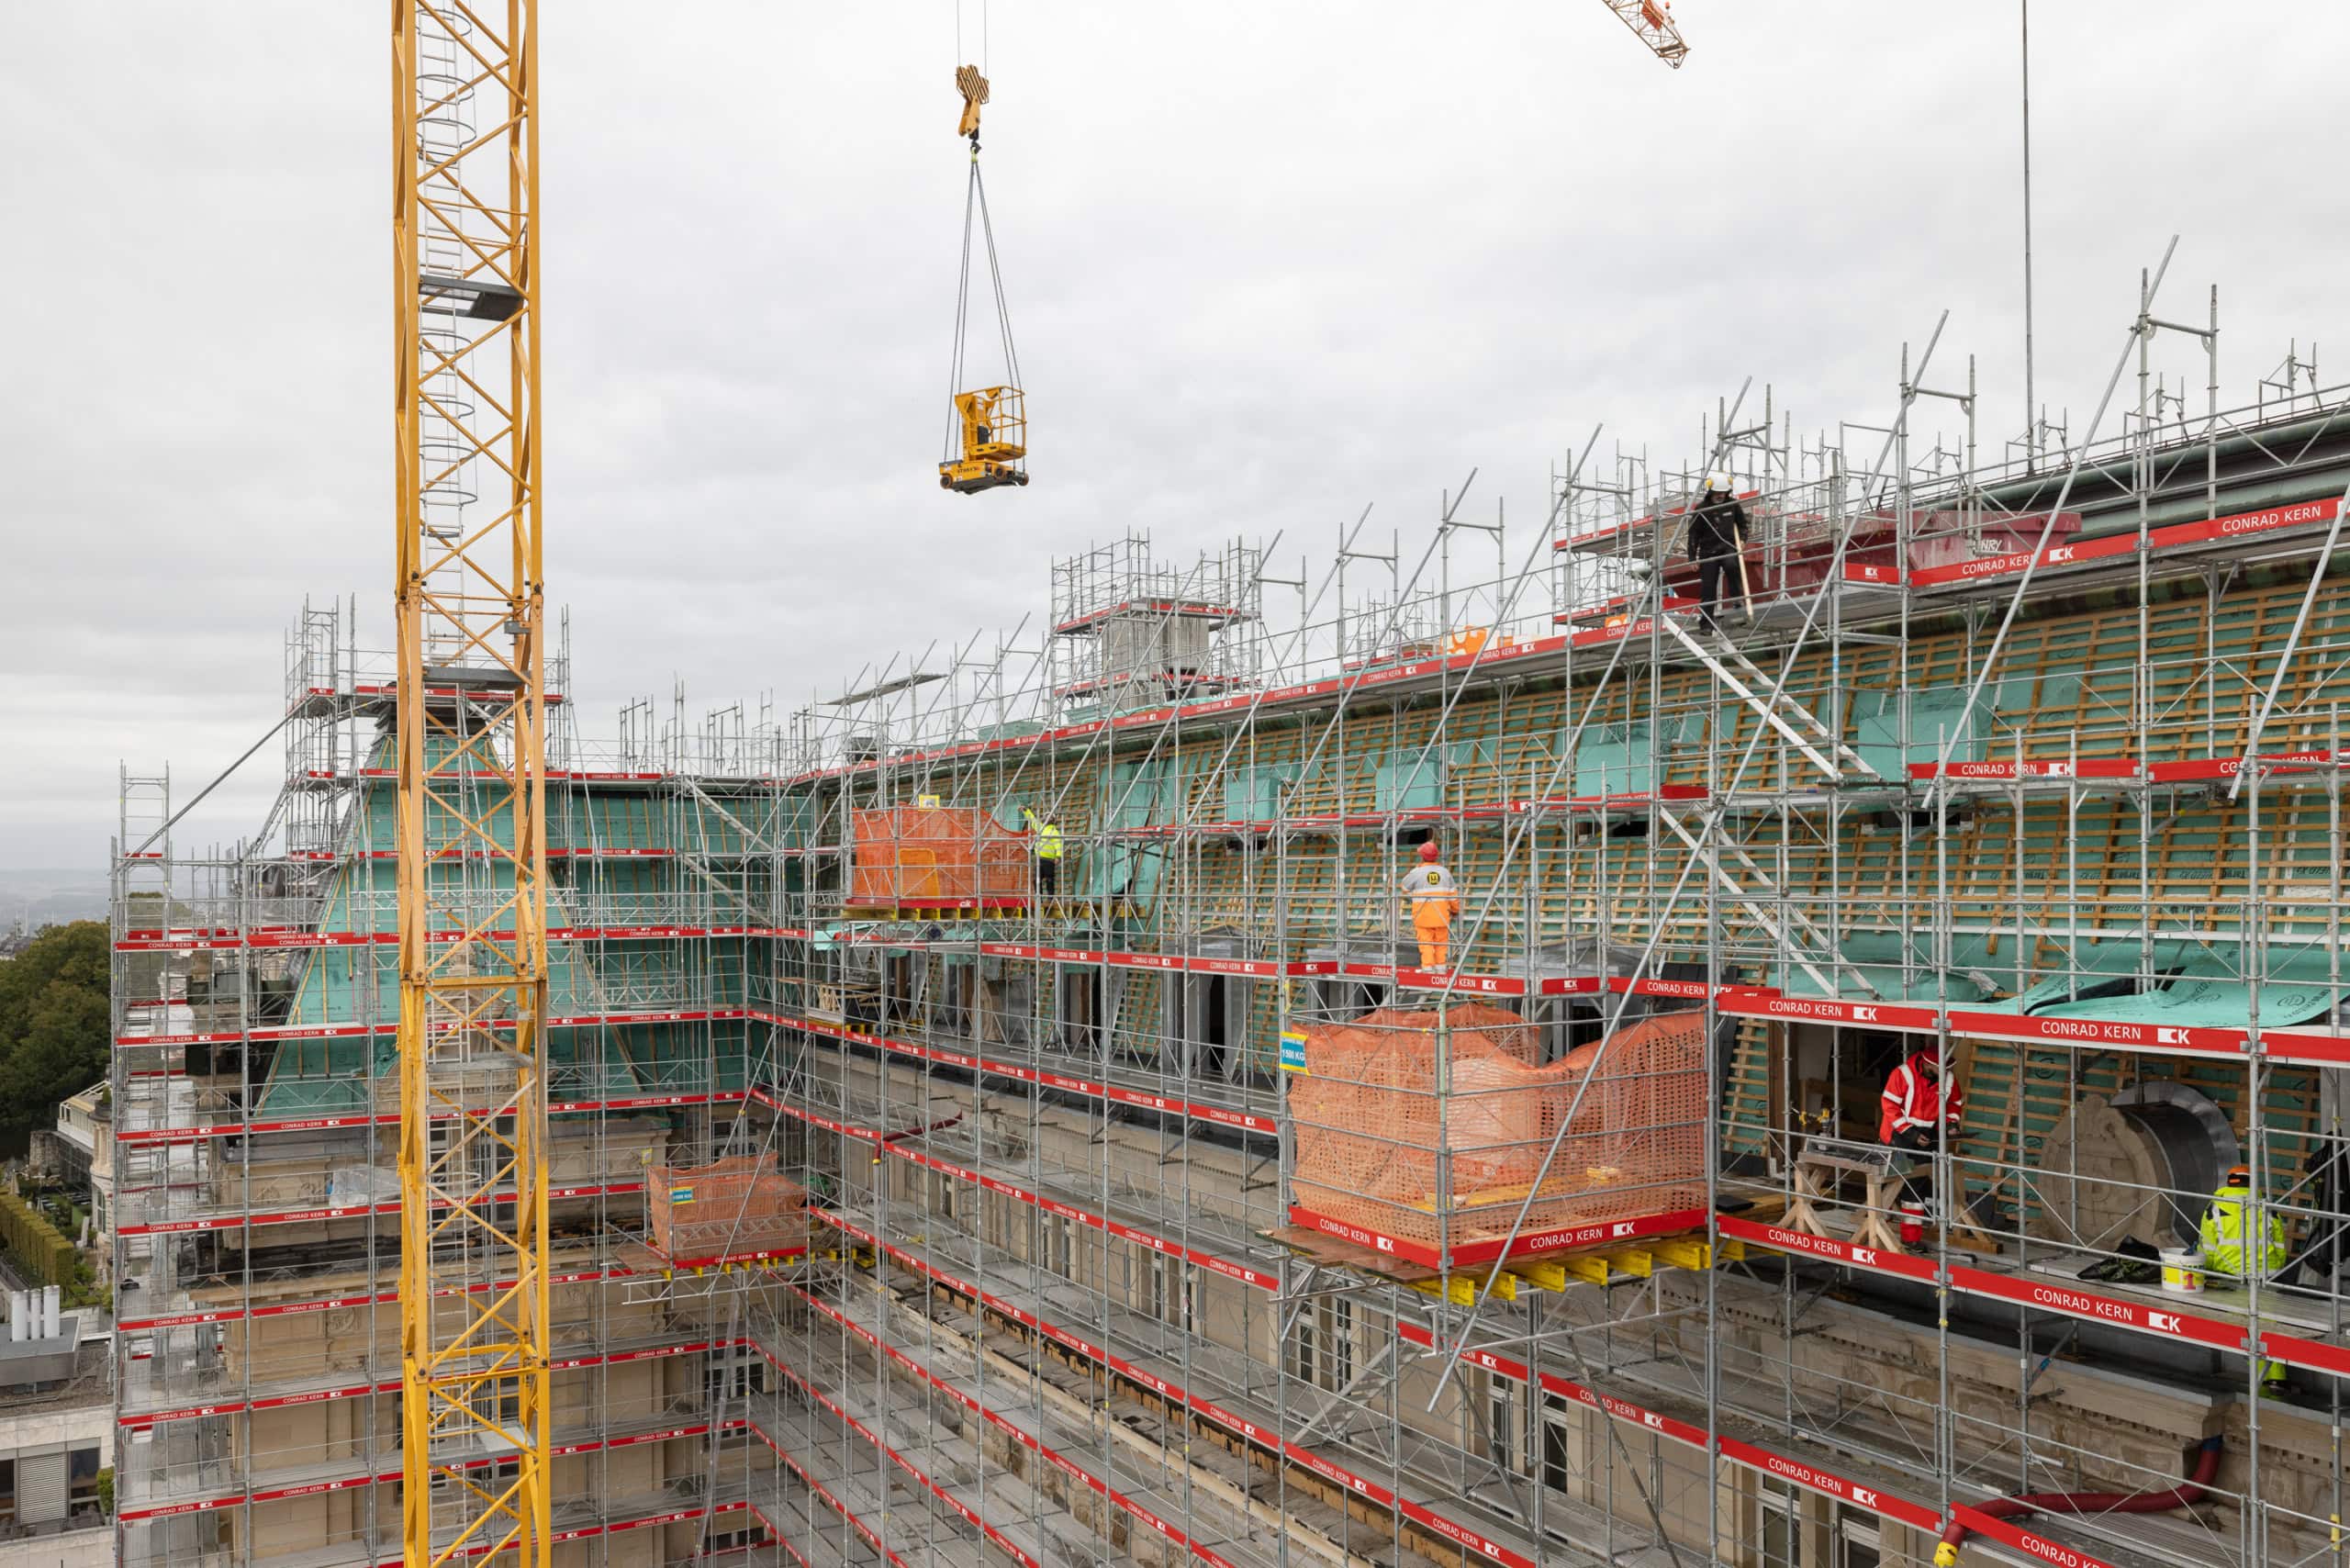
<point>1266,262</point>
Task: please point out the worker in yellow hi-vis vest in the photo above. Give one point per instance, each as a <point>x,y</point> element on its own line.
<point>2229,1248</point>
<point>1428,888</point>
<point>1047,833</point>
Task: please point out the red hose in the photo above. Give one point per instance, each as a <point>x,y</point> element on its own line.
<point>2207,1465</point>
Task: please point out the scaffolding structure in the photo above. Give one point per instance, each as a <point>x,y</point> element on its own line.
<point>256,1109</point>
<point>2034,766</point>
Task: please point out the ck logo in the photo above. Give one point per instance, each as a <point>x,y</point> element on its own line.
<point>2059,556</point>
<point>1386,1245</point>
<point>2167,1321</point>
<point>1864,1257</point>
<point>1650,1418</point>
<point>1621,1227</point>
<point>1864,1014</point>
<point>2170,1036</point>
<point>1864,1497</point>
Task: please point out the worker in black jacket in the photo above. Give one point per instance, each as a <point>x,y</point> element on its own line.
<point>1717,532</point>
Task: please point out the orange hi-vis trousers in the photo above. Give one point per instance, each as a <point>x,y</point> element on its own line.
<point>1432,924</point>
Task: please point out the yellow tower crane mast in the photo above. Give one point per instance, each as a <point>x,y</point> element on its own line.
<point>471,723</point>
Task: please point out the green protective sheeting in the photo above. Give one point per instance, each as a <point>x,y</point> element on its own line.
<point>1254,794</point>
<point>1135,794</point>
<point>1937,716</point>
<point>1409,781</point>
<point>1621,758</point>
<point>1131,795</point>
<point>342,985</point>
<point>1887,980</point>
<point>1882,957</point>
<point>1123,870</point>
<point>1413,778</point>
<point>2196,985</point>
<point>1614,760</point>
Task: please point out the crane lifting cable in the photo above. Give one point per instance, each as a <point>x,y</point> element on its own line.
<point>987,439</point>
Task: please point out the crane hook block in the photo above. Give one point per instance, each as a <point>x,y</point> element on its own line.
<point>974,88</point>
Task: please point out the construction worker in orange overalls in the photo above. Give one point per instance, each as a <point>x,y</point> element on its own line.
<point>1429,887</point>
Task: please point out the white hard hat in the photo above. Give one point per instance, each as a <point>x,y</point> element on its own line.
<point>1718,480</point>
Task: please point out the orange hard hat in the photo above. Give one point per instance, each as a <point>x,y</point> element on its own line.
<point>2238,1176</point>
<point>1428,850</point>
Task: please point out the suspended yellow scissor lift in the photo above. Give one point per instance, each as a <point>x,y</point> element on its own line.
<point>991,426</point>
<point>987,444</point>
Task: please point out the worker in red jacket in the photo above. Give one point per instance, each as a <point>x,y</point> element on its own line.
<point>1913,1107</point>
<point>1914,1104</point>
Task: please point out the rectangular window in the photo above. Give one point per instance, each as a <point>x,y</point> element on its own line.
<point>491,1478</point>
<point>1342,1343</point>
<point>1055,1259</point>
<point>735,1376</point>
<point>1780,1535</point>
<point>1558,1432</point>
<point>1325,1352</point>
<point>1857,1542</point>
<point>1501,1420</point>
<point>501,1406</point>
<point>733,1541</point>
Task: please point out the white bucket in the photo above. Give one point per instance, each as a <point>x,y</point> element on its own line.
<point>2182,1270</point>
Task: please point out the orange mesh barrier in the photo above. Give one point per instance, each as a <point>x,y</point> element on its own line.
<point>936,855</point>
<point>726,1209</point>
<point>1378,1146</point>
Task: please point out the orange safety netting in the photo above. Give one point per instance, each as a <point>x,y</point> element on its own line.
<point>726,1209</point>
<point>1378,1146</point>
<point>915,855</point>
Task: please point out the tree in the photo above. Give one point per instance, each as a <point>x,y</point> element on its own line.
<point>53,1024</point>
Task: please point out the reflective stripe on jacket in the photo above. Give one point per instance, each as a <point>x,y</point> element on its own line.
<point>1913,1100</point>
<point>2223,1234</point>
<point>1049,842</point>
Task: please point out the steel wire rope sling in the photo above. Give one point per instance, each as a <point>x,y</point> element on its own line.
<point>986,443</point>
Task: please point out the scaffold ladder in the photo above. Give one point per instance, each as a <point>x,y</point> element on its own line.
<point>1762,691</point>
<point>1759,896</point>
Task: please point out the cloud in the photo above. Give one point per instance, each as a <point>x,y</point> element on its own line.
<point>1267,264</point>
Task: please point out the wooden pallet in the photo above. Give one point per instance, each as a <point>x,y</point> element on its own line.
<point>1319,1247</point>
